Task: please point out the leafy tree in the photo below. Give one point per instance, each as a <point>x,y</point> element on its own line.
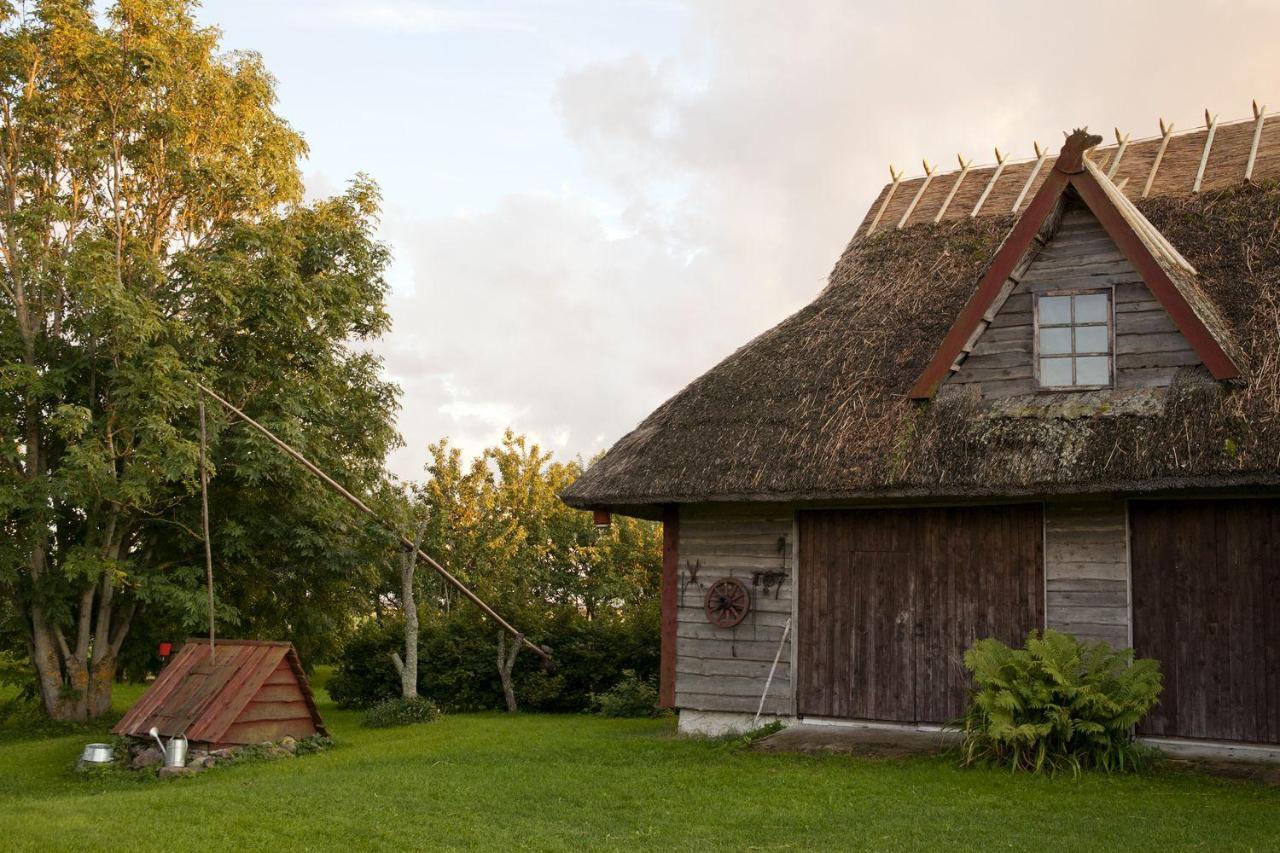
<point>151,235</point>
<point>497,523</point>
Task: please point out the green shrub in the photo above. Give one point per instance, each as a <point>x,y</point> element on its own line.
<point>457,666</point>
<point>401,712</point>
<point>1057,704</point>
<point>632,696</point>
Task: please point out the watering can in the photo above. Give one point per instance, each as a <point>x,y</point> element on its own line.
<point>175,751</point>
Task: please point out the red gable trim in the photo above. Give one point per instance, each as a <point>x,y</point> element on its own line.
<point>1153,273</point>
<point>1069,171</point>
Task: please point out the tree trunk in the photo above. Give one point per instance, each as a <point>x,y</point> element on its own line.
<point>76,685</point>
<point>409,672</point>
<point>507,662</point>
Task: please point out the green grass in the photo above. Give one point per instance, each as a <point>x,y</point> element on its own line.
<point>560,782</point>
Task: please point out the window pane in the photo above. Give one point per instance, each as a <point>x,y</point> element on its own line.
<point>1091,308</point>
<point>1092,339</point>
<point>1093,371</point>
<point>1055,341</point>
<point>1055,371</point>
<point>1055,310</point>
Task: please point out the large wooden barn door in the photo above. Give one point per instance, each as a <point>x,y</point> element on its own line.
<point>1206,594</point>
<point>890,599</point>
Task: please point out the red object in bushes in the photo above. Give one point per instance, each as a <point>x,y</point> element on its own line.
<point>166,649</point>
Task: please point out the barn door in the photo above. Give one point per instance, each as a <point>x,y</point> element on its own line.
<point>856,617</point>
<point>1206,591</point>
<point>890,599</point>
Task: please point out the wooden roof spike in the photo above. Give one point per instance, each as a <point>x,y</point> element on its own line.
<point>924,185</point>
<point>1166,131</point>
<point>1123,143</point>
<point>1041,154</point>
<point>1259,118</point>
<point>1123,224</point>
<point>964,170</point>
<point>896,175</point>
<point>1210,122</point>
<point>995,176</point>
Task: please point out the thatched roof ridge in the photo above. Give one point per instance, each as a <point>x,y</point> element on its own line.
<point>816,408</point>
<point>1174,174</point>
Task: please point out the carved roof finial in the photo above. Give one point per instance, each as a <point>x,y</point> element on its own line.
<point>1071,160</point>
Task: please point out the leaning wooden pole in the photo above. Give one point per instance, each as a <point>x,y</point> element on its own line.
<point>204,519</point>
<point>363,507</point>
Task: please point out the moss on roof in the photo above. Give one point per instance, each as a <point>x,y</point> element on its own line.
<point>816,407</point>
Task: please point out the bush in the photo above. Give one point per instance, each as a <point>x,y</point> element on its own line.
<point>457,666</point>
<point>1057,704</point>
<point>632,696</point>
<point>401,712</point>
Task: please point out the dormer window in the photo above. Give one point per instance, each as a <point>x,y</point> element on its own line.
<point>1073,340</point>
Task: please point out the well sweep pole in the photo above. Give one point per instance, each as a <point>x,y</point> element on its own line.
<point>363,507</point>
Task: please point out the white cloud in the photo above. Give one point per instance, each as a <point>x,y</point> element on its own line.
<point>729,173</point>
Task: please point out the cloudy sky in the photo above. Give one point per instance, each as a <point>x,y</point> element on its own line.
<point>590,203</point>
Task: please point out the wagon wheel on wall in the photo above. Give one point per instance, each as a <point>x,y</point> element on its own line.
<point>727,602</point>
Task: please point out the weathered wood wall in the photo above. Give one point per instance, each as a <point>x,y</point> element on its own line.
<point>277,710</point>
<point>725,669</point>
<point>1149,349</point>
<point>1206,581</point>
<point>1087,569</point>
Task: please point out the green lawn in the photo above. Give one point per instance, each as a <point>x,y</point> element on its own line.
<point>562,782</point>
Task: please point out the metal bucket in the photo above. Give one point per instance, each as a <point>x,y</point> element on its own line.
<point>175,752</point>
<point>98,753</point>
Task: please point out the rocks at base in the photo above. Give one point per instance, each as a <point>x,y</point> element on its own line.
<point>144,756</point>
<point>149,757</point>
<point>170,772</point>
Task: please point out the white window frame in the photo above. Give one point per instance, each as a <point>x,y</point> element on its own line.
<point>1110,355</point>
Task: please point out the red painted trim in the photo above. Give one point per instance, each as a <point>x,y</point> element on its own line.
<point>1006,258</point>
<point>670,603</point>
<point>1166,292</point>
<point>1069,171</point>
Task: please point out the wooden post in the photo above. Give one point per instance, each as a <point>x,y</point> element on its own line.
<point>1259,117</point>
<point>204,519</point>
<point>964,170</point>
<point>1123,142</point>
<point>1165,132</point>
<point>1211,122</point>
<point>897,179</point>
<point>928,176</point>
<point>670,604</point>
<point>1031,179</point>
<point>995,176</point>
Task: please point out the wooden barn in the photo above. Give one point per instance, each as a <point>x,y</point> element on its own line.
<point>252,691</point>
<point>1037,394</point>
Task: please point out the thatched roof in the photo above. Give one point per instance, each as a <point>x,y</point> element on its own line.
<point>817,407</point>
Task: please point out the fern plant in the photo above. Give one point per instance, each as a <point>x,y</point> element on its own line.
<point>1057,704</point>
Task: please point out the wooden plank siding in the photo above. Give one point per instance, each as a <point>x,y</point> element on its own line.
<point>1087,569</point>
<point>1148,351</point>
<point>725,669</point>
<point>891,598</point>
<point>1206,582</point>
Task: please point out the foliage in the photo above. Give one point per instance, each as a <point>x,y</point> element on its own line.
<point>1057,704</point>
<point>630,696</point>
<point>497,524</point>
<point>155,236</point>
<point>457,667</point>
<point>399,711</point>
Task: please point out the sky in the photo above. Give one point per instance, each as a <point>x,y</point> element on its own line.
<point>591,203</point>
